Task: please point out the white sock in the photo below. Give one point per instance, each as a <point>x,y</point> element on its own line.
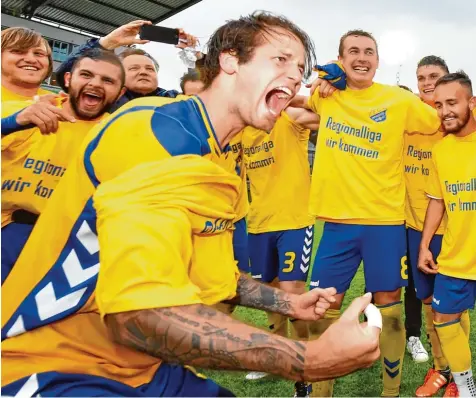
<point>465,383</point>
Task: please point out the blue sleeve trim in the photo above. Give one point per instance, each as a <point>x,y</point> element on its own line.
<point>10,125</point>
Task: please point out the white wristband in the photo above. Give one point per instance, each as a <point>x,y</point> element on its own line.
<point>374,317</point>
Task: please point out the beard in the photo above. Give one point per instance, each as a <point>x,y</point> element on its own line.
<point>74,98</point>
<point>461,123</point>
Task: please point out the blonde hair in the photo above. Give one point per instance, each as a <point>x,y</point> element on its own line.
<point>24,39</point>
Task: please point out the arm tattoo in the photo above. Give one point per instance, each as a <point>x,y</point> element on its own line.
<point>251,293</point>
<point>201,336</point>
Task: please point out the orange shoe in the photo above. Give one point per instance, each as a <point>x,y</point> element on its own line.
<point>434,380</point>
<point>451,390</point>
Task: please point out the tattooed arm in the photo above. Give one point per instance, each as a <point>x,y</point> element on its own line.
<point>253,294</point>
<point>201,336</point>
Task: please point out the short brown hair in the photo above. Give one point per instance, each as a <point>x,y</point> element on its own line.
<point>355,32</point>
<point>241,37</point>
<point>24,39</point>
<point>137,51</point>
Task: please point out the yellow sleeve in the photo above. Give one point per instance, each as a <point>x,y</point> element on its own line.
<point>433,186</point>
<point>301,132</point>
<point>315,102</point>
<point>145,254</point>
<point>421,118</point>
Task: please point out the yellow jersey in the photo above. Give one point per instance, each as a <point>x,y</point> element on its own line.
<point>8,95</point>
<point>150,213</point>
<point>453,179</point>
<point>278,169</point>
<point>33,163</point>
<point>242,205</point>
<point>417,167</point>
<point>358,175</point>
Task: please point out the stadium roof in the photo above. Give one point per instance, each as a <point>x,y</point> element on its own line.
<point>98,17</point>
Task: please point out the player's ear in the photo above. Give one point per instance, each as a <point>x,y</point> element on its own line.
<point>472,103</point>
<point>229,62</point>
<point>67,79</point>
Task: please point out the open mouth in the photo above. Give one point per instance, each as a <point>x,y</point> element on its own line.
<point>449,119</point>
<point>277,99</point>
<point>428,90</point>
<point>361,69</point>
<point>91,99</point>
<point>29,68</point>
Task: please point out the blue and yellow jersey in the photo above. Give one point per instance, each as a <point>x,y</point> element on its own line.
<point>242,205</point>
<point>452,178</point>
<point>33,163</point>
<point>160,224</point>
<point>358,176</point>
<point>278,169</point>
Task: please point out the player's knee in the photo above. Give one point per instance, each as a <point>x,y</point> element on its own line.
<point>383,298</point>
<point>445,318</point>
<point>295,287</point>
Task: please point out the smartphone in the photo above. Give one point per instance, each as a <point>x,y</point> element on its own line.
<point>159,34</point>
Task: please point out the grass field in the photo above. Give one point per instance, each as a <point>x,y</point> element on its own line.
<point>364,383</point>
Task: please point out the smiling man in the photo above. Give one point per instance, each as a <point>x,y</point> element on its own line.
<point>152,193</point>
<point>358,190</point>
<point>451,188</point>
<point>26,62</point>
<point>33,163</point>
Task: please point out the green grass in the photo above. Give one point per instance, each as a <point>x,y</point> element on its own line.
<point>364,383</point>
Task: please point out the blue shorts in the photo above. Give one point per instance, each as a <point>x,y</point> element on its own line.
<point>14,237</point>
<point>453,295</point>
<point>285,255</point>
<point>169,381</point>
<point>382,248</point>
<point>424,283</point>
<point>240,245</point>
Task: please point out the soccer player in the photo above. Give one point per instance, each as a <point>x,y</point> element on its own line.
<point>358,189</point>
<point>280,227</point>
<point>153,191</point>
<point>451,187</point>
<point>26,62</point>
<point>418,160</point>
<point>33,163</point>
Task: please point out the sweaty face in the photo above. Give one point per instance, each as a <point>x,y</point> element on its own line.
<point>360,61</point>
<point>452,102</point>
<point>192,87</point>
<point>25,66</point>
<point>93,87</point>
<point>427,77</point>
<point>141,76</point>
<point>266,84</point>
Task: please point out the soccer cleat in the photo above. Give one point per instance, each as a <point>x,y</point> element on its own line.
<point>301,389</point>
<point>451,390</point>
<point>255,375</point>
<point>416,349</point>
<point>434,380</point>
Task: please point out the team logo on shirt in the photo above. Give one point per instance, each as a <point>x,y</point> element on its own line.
<point>217,225</point>
<point>378,115</point>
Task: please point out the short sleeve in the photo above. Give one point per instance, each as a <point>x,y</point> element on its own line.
<point>421,118</point>
<point>433,186</point>
<point>145,252</point>
<point>301,132</point>
<point>315,102</point>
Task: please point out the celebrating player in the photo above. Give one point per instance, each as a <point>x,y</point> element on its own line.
<point>452,191</point>
<point>359,191</point>
<point>153,190</point>
<point>33,163</point>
